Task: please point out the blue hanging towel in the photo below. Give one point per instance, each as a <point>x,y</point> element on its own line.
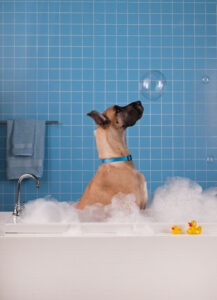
<point>23,136</point>
<point>25,155</point>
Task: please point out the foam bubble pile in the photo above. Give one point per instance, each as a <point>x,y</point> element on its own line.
<point>179,200</point>
<point>47,210</point>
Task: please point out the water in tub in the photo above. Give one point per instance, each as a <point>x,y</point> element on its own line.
<point>177,202</point>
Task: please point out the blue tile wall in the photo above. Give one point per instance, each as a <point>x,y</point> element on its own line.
<point>61,59</point>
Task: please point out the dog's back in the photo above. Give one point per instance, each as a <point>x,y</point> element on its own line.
<point>112,179</point>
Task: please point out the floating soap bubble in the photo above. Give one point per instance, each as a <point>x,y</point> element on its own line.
<point>205,79</point>
<point>152,85</point>
<point>210,159</point>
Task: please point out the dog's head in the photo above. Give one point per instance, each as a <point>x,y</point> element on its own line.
<point>120,117</point>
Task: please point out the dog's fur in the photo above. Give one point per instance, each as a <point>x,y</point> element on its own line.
<point>116,177</point>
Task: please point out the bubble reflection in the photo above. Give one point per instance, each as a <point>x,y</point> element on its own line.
<point>205,79</point>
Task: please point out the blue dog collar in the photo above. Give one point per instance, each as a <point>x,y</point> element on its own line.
<point>116,159</point>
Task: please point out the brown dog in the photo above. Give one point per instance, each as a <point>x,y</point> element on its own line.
<point>117,173</point>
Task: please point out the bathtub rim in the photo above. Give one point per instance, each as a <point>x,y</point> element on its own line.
<point>9,227</point>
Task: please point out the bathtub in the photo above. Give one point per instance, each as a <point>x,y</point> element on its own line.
<point>102,261</point>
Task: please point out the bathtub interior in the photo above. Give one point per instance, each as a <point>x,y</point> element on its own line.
<point>178,202</point>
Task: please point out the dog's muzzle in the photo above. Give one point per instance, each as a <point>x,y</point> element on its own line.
<point>138,107</point>
<point>131,113</point>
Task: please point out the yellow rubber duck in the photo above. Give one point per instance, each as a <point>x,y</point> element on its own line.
<point>193,228</point>
<point>176,230</point>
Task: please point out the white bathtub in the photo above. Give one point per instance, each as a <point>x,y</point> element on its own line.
<point>102,261</point>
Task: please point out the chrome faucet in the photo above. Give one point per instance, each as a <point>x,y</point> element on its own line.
<point>18,208</point>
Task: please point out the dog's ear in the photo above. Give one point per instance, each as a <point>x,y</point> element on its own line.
<point>100,119</point>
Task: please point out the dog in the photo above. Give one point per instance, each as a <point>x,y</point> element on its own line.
<point>117,173</point>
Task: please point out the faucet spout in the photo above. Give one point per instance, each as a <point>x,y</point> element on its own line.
<point>18,208</point>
